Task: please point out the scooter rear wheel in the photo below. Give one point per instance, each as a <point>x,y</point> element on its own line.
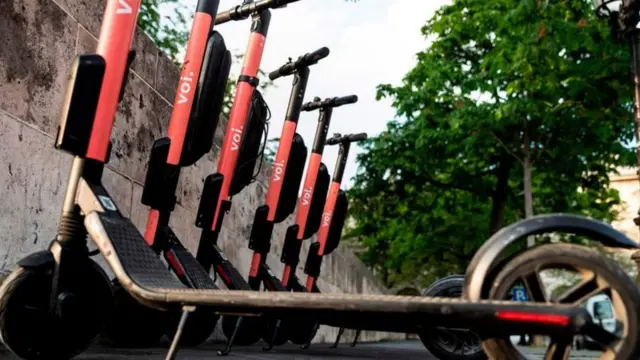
<point>596,275</point>
<point>133,325</point>
<point>450,344</point>
<point>249,332</point>
<point>32,332</point>
<point>282,337</point>
<point>199,327</point>
<point>302,332</point>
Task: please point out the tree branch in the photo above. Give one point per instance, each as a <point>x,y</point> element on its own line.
<point>504,146</point>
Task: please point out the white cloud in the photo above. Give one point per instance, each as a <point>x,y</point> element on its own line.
<point>371,42</point>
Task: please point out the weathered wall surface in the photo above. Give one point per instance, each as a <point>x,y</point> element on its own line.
<point>38,40</point>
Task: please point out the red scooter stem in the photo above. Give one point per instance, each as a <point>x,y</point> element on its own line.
<point>238,116</point>
<point>116,35</point>
<point>304,201</point>
<point>183,102</point>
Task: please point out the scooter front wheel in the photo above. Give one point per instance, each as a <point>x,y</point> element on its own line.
<point>450,344</point>
<point>593,275</point>
<point>29,327</point>
<point>133,325</point>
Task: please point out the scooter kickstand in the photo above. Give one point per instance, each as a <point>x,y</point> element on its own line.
<point>355,338</point>
<point>335,343</point>
<point>230,341</point>
<point>315,328</point>
<point>171,355</point>
<point>273,337</point>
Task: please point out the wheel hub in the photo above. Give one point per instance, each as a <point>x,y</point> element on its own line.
<point>67,305</point>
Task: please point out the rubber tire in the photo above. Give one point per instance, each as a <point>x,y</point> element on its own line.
<point>32,338</point>
<point>302,331</point>
<point>249,333</point>
<point>133,325</point>
<point>282,337</point>
<point>450,287</point>
<point>199,327</point>
<point>604,267</point>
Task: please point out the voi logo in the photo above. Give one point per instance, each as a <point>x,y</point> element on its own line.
<point>326,218</point>
<point>236,137</point>
<point>306,195</point>
<point>185,88</point>
<point>124,7</point>
<point>278,169</point>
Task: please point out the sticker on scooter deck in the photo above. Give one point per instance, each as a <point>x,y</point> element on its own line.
<point>107,203</point>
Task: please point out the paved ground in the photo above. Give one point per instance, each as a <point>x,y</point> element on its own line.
<point>408,350</point>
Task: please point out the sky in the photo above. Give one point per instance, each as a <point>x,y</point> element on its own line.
<point>371,42</point>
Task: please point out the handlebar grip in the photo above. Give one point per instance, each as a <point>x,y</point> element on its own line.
<point>284,70</point>
<point>357,137</point>
<point>274,74</point>
<point>313,57</point>
<point>351,99</point>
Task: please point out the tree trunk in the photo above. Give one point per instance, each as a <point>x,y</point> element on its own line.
<point>528,191</point>
<point>499,196</point>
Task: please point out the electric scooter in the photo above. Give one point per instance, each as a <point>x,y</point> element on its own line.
<point>334,213</point>
<point>58,299</point>
<point>194,118</point>
<point>332,223</point>
<point>308,216</point>
<point>286,174</point>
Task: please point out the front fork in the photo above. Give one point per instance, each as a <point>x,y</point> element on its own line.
<point>69,251</point>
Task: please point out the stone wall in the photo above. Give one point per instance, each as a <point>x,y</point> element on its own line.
<point>38,40</point>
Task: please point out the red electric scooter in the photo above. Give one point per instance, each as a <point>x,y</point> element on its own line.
<point>194,118</point>
<point>56,301</point>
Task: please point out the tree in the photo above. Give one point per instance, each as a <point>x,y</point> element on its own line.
<point>511,97</point>
<point>170,33</point>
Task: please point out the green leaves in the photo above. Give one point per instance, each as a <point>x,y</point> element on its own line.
<point>434,186</point>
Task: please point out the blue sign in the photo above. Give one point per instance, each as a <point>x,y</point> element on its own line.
<point>519,293</point>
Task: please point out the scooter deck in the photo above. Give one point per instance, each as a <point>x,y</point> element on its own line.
<point>142,273</point>
<point>187,263</point>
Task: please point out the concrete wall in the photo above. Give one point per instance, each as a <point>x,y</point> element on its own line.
<point>38,40</point>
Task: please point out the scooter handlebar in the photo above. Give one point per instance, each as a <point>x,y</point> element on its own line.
<point>303,61</point>
<point>338,139</point>
<point>242,12</point>
<point>357,137</point>
<point>313,57</point>
<point>339,101</point>
<point>330,102</point>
